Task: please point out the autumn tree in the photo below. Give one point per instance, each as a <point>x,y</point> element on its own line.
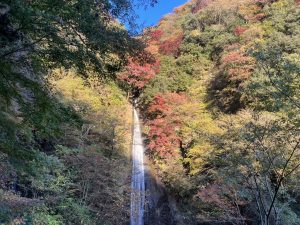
<point>136,75</point>
<point>171,46</point>
<point>163,120</point>
<point>227,86</point>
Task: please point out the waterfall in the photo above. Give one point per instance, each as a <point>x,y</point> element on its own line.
<point>138,176</point>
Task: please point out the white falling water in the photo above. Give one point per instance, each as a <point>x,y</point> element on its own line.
<point>138,176</point>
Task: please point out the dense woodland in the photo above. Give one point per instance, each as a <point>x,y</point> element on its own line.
<point>217,83</point>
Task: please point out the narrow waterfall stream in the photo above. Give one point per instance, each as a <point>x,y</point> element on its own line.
<point>138,175</point>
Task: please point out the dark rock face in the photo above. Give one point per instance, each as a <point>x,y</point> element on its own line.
<point>8,174</point>
<point>157,209</point>
<point>6,29</point>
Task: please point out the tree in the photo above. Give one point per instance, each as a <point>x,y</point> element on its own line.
<point>36,125</point>
<point>137,75</point>
<point>275,84</point>
<point>71,33</point>
<point>156,35</point>
<point>163,122</point>
<point>229,82</point>
<point>260,161</point>
<point>171,46</point>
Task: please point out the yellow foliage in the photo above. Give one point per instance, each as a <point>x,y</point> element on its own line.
<point>195,33</point>
<point>101,104</point>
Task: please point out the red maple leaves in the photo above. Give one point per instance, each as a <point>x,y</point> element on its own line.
<point>238,66</point>
<point>171,46</point>
<point>137,75</point>
<point>239,30</point>
<point>165,121</point>
<point>156,35</point>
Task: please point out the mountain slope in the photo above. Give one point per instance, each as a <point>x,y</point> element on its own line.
<point>222,111</point>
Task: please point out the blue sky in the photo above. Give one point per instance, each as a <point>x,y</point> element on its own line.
<point>151,15</point>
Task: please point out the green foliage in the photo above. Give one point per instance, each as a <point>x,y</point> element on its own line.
<point>63,33</point>
<point>74,212</point>
<point>257,154</point>
<point>98,162</point>
<point>276,80</point>
<point>44,218</point>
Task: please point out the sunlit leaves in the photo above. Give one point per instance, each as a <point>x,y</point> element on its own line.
<point>137,75</point>
<point>164,122</point>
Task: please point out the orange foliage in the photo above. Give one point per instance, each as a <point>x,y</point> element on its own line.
<point>153,49</point>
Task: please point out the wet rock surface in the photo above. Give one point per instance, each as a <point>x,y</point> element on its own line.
<point>157,207</point>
